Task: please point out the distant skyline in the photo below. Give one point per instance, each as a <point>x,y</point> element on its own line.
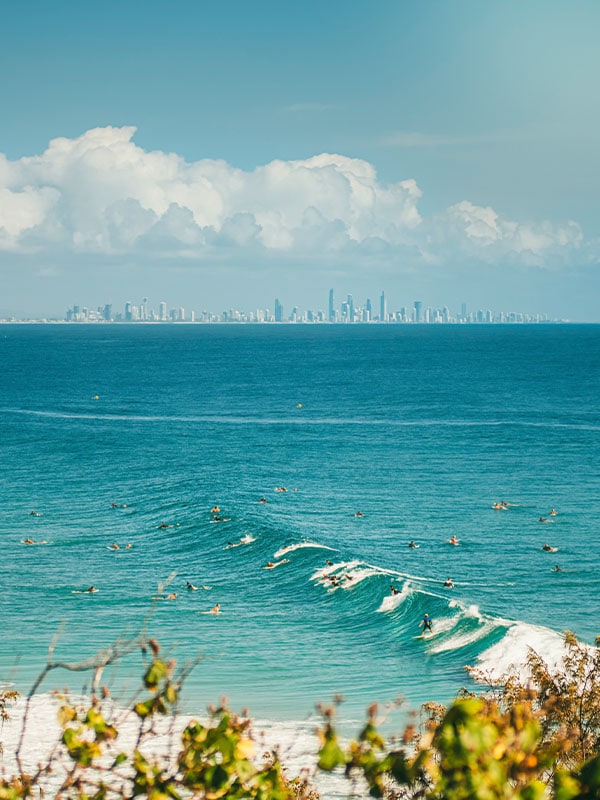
<point>230,151</point>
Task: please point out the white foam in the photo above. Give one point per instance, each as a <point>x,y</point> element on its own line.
<point>291,547</point>
<point>510,654</point>
<point>390,602</point>
<point>463,639</point>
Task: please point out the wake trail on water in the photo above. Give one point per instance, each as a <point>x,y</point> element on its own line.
<point>303,421</point>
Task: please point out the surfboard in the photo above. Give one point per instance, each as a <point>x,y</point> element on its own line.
<point>278,563</point>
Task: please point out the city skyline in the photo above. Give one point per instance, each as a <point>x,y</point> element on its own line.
<point>445,151</point>
<point>345,311</point>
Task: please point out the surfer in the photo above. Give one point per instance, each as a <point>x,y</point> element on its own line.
<point>359,514</point>
<point>164,525</point>
<point>215,510</point>
<point>28,541</point>
<point>91,590</point>
<point>548,549</point>
<point>215,609</point>
<point>263,500</point>
<point>393,590</point>
<point>172,596</point>
<point>449,584</point>
<point>412,544</point>
<point>34,514</point>
<point>553,512</point>
<point>191,587</point>
<point>426,624</point>
<point>556,568</point>
<point>453,539</point>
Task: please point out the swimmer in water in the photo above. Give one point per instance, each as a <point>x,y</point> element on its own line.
<point>449,584</point>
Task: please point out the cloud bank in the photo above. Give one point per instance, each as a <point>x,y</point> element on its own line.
<point>102,194</point>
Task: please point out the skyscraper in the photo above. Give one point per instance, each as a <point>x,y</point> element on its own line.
<point>382,308</point>
<point>278,311</point>
<point>418,305</point>
<point>331,307</point>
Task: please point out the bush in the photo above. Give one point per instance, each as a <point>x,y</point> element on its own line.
<point>519,741</point>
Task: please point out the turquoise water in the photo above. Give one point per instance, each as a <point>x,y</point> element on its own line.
<point>421,429</point>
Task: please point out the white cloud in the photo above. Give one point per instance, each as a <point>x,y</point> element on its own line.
<point>482,231</point>
<point>101,193</point>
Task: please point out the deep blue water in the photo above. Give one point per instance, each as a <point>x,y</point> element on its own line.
<point>419,428</point>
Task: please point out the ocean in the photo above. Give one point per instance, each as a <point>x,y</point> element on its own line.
<point>131,434</point>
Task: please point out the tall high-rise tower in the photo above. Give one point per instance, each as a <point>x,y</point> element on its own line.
<point>278,311</point>
<point>418,306</point>
<point>350,303</point>
<point>331,307</point>
<point>382,308</point>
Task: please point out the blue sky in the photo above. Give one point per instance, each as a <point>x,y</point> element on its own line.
<point>462,141</point>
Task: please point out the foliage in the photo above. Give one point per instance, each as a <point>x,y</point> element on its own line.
<point>7,696</point>
<point>568,699</point>
<point>534,741</point>
<point>213,760</point>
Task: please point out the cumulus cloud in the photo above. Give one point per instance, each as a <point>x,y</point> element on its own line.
<point>100,193</point>
<point>481,230</point>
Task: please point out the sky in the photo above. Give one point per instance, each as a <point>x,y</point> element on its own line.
<point>220,153</point>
